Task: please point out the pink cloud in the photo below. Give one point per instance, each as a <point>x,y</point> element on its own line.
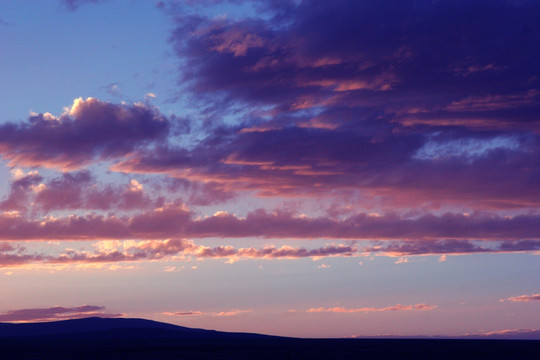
<point>13,255</point>
<point>524,298</point>
<point>397,307</point>
<point>200,313</point>
<point>284,162</point>
<point>495,102</point>
<point>152,250</point>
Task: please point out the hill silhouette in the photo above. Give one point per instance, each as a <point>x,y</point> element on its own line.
<point>113,327</point>
<point>120,338</point>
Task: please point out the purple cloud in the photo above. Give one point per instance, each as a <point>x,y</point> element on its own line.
<point>72,5</point>
<point>176,220</point>
<point>482,171</point>
<point>90,130</point>
<point>302,53</point>
<point>14,255</point>
<point>54,313</point>
<point>389,99</point>
<point>507,334</point>
<point>152,250</point>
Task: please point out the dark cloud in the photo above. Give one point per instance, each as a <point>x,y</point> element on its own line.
<point>309,50</point>
<point>91,130</point>
<point>415,101</point>
<point>482,171</point>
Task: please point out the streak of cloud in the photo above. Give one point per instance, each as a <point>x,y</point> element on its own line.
<point>54,313</point>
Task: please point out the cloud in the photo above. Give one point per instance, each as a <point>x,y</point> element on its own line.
<point>72,5</point>
<point>113,89</point>
<point>449,232</point>
<point>397,307</point>
<point>5,23</point>
<point>299,49</point>
<point>13,254</point>
<point>152,250</point>
<point>448,247</point>
<point>88,131</point>
<point>20,189</point>
<point>401,168</point>
<point>343,96</point>
<point>80,190</point>
<point>55,313</point>
<point>200,313</point>
<point>387,100</point>
<point>515,334</point>
<point>524,298</point>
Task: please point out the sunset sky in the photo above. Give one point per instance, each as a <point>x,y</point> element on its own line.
<point>291,167</point>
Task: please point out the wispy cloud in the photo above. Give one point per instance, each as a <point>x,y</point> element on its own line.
<point>200,313</point>
<point>55,313</point>
<point>152,250</point>
<point>397,307</point>
<point>522,334</point>
<point>524,298</point>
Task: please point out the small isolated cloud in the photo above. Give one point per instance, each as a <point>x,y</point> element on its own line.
<point>524,298</point>
<point>233,312</point>
<point>323,266</point>
<point>113,89</point>
<point>55,313</point>
<point>397,307</point>
<point>150,96</point>
<point>72,5</point>
<point>5,23</point>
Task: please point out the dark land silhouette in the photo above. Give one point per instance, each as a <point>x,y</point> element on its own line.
<point>100,338</point>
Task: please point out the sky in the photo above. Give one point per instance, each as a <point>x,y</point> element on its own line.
<point>291,167</point>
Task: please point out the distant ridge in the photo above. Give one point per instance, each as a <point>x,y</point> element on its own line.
<point>115,327</point>
<point>124,338</point>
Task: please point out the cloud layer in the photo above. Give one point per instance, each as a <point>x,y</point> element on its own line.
<point>400,121</point>
<point>177,220</point>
